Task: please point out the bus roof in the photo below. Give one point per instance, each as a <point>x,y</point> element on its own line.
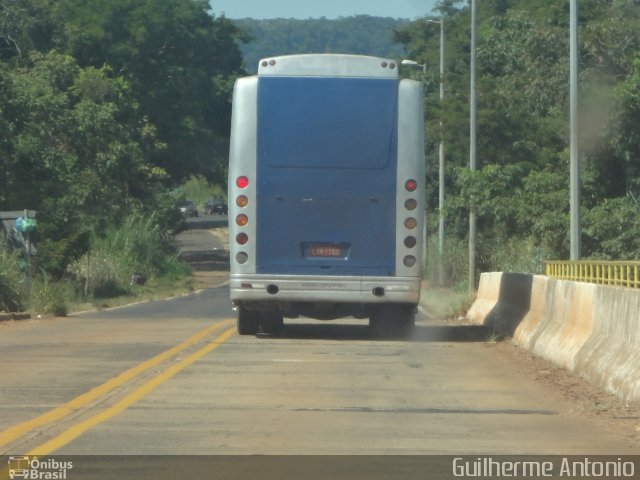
<point>334,65</point>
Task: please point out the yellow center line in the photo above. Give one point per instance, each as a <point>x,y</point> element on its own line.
<point>18,430</point>
<point>78,429</point>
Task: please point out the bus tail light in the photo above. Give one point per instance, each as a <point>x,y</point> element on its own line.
<point>242,238</point>
<point>410,223</point>
<point>242,181</point>
<point>410,242</point>
<point>409,261</point>
<point>411,204</point>
<point>242,220</point>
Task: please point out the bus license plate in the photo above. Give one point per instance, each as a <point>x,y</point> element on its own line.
<point>325,251</point>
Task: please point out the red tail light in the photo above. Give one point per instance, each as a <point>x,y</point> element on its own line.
<point>242,182</point>
<point>411,185</point>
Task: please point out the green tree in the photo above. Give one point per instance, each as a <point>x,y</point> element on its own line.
<point>360,34</point>
<point>104,105</point>
<point>176,58</point>
<point>77,152</point>
<point>25,26</point>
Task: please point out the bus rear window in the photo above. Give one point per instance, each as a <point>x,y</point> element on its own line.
<point>324,122</point>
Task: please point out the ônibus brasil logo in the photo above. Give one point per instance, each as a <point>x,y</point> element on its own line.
<point>26,467</point>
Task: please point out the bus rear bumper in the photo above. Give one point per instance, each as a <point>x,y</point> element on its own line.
<point>331,289</point>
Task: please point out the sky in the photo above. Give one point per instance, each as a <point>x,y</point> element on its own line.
<point>304,9</point>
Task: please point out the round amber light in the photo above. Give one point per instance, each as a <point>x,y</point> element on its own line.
<point>242,220</point>
<point>410,223</point>
<point>411,204</point>
<point>242,201</point>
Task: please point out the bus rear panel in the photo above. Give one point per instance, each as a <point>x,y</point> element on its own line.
<point>326,191</point>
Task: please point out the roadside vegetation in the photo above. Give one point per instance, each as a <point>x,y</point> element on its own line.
<point>113,111</point>
<point>445,302</point>
<point>125,261</point>
<point>12,290</point>
<point>199,190</point>
<point>137,247</point>
<point>130,260</point>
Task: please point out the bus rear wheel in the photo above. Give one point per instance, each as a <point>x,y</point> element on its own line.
<point>248,322</point>
<point>271,322</point>
<point>392,321</point>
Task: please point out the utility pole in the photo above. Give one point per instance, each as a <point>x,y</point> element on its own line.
<point>574,168</point>
<point>472,151</point>
<point>441,185</point>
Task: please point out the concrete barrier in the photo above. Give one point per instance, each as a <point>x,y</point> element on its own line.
<point>486,298</point>
<point>611,356</point>
<point>591,329</point>
<point>567,321</point>
<point>532,325</point>
<point>502,302</point>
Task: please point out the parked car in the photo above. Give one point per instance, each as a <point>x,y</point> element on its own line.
<point>188,209</point>
<point>215,205</point>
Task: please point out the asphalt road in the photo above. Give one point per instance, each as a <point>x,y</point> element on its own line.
<point>172,377</point>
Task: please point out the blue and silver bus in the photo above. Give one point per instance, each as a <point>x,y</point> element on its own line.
<point>326,192</point>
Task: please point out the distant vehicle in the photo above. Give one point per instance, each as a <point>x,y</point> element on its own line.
<point>215,205</point>
<point>188,209</point>
<point>326,177</point>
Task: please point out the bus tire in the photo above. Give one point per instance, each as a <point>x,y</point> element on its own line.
<point>248,322</point>
<point>406,322</point>
<point>392,321</point>
<point>272,322</point>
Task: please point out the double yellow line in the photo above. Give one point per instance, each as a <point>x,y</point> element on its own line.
<point>84,400</point>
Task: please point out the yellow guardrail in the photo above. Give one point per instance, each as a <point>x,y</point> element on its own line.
<point>623,274</point>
